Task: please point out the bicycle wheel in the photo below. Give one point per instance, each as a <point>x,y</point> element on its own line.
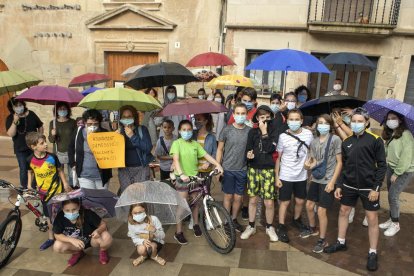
<point>220,234</point>
<point>10,231</point>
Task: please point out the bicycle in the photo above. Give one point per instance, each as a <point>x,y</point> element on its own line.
<point>216,223</point>
<point>11,227</point>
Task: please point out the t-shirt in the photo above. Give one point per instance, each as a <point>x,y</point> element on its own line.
<point>235,140</point>
<point>46,174</point>
<point>291,166</point>
<point>26,124</point>
<point>317,151</point>
<point>165,165</point>
<point>64,132</point>
<point>91,221</point>
<point>201,139</point>
<point>189,153</point>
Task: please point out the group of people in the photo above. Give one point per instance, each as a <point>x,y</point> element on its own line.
<point>265,154</point>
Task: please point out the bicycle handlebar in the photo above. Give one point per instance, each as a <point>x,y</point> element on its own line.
<point>196,178</point>
<point>20,191</point>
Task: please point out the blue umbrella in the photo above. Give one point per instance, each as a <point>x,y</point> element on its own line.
<point>378,109</point>
<point>90,90</point>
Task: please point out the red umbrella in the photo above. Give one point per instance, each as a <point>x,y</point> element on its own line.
<point>192,106</point>
<point>210,59</point>
<point>89,79</point>
<point>50,94</point>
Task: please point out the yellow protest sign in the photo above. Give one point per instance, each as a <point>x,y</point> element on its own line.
<point>108,149</point>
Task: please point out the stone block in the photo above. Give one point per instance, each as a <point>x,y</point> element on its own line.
<point>50,70</point>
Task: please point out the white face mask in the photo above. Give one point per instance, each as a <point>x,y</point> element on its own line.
<point>92,129</point>
<point>393,124</point>
<point>337,87</point>
<point>291,105</point>
<point>201,97</point>
<point>139,217</point>
<point>171,96</point>
<point>19,109</point>
<point>217,100</point>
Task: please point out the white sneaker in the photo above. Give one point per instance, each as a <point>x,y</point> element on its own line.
<point>191,223</point>
<point>248,232</point>
<point>351,215</point>
<point>272,234</point>
<point>365,222</point>
<point>386,224</point>
<point>392,230</point>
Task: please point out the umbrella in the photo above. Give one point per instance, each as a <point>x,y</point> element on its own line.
<point>324,105</point>
<point>115,98</point>
<point>131,70</point>
<point>210,59</point>
<point>192,106</point>
<point>230,80</point>
<point>90,90</point>
<point>162,201</point>
<point>352,62</point>
<point>50,94</point>
<point>204,75</point>
<point>89,79</point>
<point>12,81</point>
<point>378,109</point>
<point>159,75</point>
<point>101,201</point>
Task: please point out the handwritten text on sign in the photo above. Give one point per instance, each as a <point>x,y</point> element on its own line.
<point>108,149</point>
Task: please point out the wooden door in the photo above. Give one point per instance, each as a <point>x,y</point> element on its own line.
<point>4,112</point>
<point>118,62</point>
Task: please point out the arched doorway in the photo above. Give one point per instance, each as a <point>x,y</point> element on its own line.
<point>3,104</point>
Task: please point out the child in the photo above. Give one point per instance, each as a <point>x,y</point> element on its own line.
<point>248,97</point>
<point>290,174</point>
<point>76,229</point>
<point>321,189</point>
<point>261,144</point>
<point>48,173</point>
<point>204,136</point>
<point>162,149</point>
<point>146,233</point>
<point>185,153</point>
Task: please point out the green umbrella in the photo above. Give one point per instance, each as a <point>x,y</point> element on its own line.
<point>12,81</point>
<point>115,98</point>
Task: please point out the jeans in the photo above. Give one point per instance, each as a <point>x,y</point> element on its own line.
<point>92,184</point>
<point>394,191</point>
<point>23,166</point>
<point>69,172</point>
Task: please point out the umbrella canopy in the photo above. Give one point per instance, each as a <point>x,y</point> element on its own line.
<point>192,106</point>
<point>162,201</point>
<point>89,79</point>
<point>159,75</point>
<point>324,105</point>
<point>230,80</point>
<point>378,109</point>
<point>115,98</point>
<point>12,81</point>
<point>131,70</point>
<point>288,60</point>
<point>204,75</point>
<point>90,90</point>
<point>50,94</point>
<point>210,59</point>
<point>352,62</point>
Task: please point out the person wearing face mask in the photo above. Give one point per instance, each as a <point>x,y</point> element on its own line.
<point>61,130</point>
<point>342,122</point>
<point>171,97</point>
<point>20,122</point>
<point>81,158</point>
<point>248,97</point>
<point>203,135</point>
<point>202,94</point>
<point>150,121</point>
<point>399,147</point>
<point>303,94</point>
<point>76,229</point>
<point>186,152</point>
<point>218,118</point>
<point>278,106</point>
<point>364,169</point>
<point>337,89</point>
<point>291,102</point>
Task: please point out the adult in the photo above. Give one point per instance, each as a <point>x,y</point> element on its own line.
<point>81,158</point>
<point>19,122</point>
<point>399,144</point>
<point>138,148</point>
<point>150,121</point>
<point>218,118</point>
<point>364,168</point>
<point>337,89</point>
<point>61,130</point>
<point>171,97</point>
<point>201,93</point>
<point>303,94</point>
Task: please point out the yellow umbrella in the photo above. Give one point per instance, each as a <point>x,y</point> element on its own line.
<point>230,80</point>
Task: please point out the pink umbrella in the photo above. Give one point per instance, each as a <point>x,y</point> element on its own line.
<point>192,106</point>
<point>89,79</point>
<point>50,94</point>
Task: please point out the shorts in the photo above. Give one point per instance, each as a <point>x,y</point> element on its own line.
<point>350,197</point>
<point>261,182</point>
<point>316,193</point>
<point>234,182</point>
<point>298,188</point>
<point>164,175</point>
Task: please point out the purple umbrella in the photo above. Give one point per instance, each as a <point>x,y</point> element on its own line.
<point>50,94</point>
<point>378,109</point>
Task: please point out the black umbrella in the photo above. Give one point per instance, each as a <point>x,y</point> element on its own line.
<point>351,62</point>
<point>324,105</point>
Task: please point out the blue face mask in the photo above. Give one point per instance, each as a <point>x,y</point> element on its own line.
<point>323,129</point>
<point>186,135</point>
<point>275,108</point>
<point>127,121</point>
<point>72,216</point>
<point>62,113</point>
<point>249,105</point>
<point>302,98</point>
<point>357,128</point>
<point>240,119</point>
<point>294,125</point>
<point>346,119</point>
<point>139,217</point>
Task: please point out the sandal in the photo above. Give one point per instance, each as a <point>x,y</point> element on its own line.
<point>159,260</point>
<point>138,260</point>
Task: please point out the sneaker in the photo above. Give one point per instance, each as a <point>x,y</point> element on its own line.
<point>179,237</point>
<point>103,257</point>
<point>335,247</point>
<point>245,213</point>
<point>197,231</point>
<point>297,223</point>
<point>372,263</point>
<point>351,215</point>
<point>282,233</point>
<point>309,231</point>
<point>46,244</point>
<point>365,222</point>
<point>237,226</point>
<point>392,230</point>
<point>272,234</point>
<point>191,224</point>
<point>386,224</point>
<point>320,246</point>
<point>248,232</point>
<point>74,259</point>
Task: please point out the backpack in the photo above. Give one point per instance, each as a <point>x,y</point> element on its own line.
<point>319,171</point>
